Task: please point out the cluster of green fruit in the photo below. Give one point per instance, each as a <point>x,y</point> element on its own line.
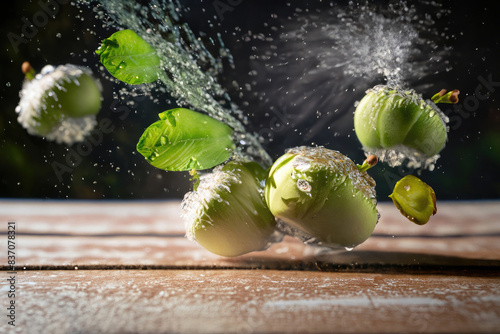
<point>319,194</point>
<point>315,192</point>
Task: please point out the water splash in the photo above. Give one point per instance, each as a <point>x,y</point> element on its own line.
<point>190,69</point>
<point>398,155</point>
<point>369,41</point>
<point>401,155</point>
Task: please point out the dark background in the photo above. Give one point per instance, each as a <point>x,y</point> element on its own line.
<point>467,168</point>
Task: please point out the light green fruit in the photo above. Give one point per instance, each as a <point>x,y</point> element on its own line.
<point>227,214</point>
<point>389,118</point>
<point>59,103</point>
<point>323,194</point>
<point>76,98</point>
<point>415,199</point>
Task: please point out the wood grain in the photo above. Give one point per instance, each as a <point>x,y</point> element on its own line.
<point>82,268</point>
<point>55,234</point>
<point>254,301</point>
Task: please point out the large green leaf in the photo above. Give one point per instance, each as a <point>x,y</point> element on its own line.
<point>415,199</point>
<point>184,140</point>
<point>129,58</point>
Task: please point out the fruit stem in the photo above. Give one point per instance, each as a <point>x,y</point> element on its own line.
<point>444,97</point>
<point>369,162</point>
<point>29,72</point>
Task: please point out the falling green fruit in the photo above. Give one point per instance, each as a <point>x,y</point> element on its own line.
<point>227,214</point>
<point>323,194</point>
<point>402,121</point>
<point>415,199</point>
<point>59,103</point>
<point>130,58</point>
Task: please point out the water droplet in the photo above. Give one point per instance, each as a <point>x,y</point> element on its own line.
<point>303,185</point>
<point>301,164</point>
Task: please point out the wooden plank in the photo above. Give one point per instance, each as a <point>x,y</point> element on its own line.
<point>40,252</point>
<point>52,234</point>
<point>405,278</point>
<point>164,217</point>
<point>93,217</point>
<point>257,301</point>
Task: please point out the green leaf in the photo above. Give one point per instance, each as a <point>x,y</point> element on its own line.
<point>228,215</point>
<point>183,140</point>
<point>129,58</point>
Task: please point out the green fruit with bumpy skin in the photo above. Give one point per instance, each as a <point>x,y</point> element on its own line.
<point>323,194</point>
<point>227,213</point>
<point>389,118</point>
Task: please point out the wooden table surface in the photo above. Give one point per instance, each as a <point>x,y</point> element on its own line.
<point>126,267</point>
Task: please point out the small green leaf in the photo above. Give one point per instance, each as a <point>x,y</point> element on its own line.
<point>129,58</point>
<point>415,199</point>
<point>183,140</point>
<point>227,214</point>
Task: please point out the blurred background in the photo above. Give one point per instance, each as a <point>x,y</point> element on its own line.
<point>296,70</point>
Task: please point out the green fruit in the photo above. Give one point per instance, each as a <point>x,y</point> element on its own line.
<point>60,103</point>
<point>79,97</point>
<point>415,199</point>
<point>227,214</point>
<point>323,194</point>
<point>389,118</point>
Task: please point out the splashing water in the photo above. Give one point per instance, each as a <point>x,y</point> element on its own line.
<point>369,42</point>
<point>190,69</point>
<point>317,57</point>
<point>398,155</point>
<point>321,55</point>
<point>404,156</point>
